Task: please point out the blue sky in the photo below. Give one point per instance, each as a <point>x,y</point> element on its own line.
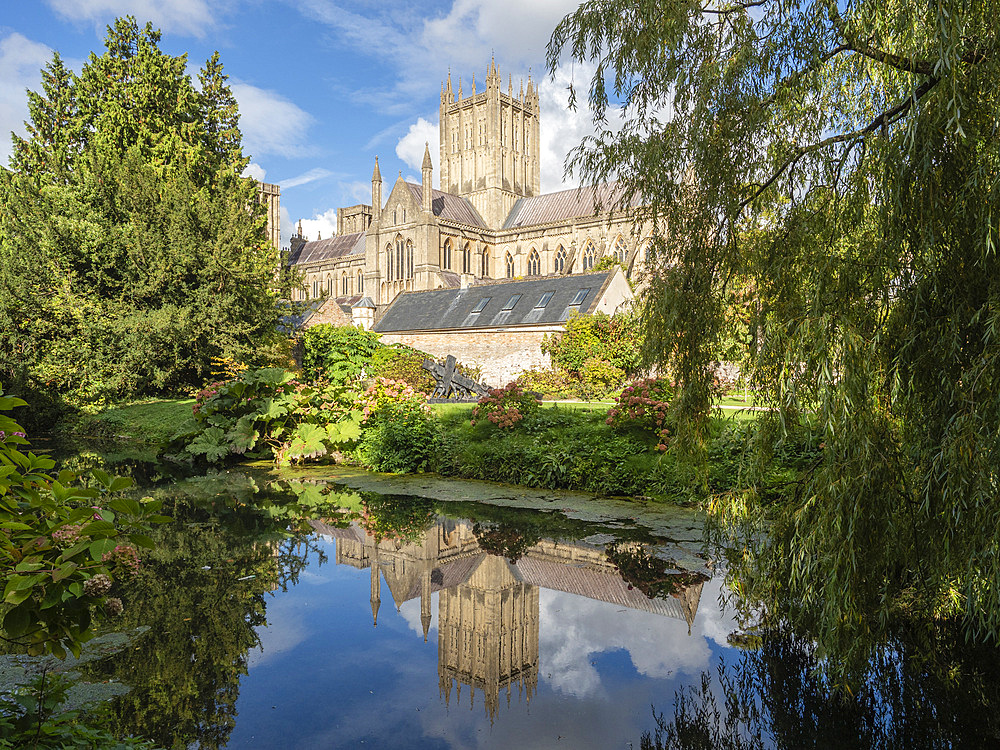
<point>324,86</point>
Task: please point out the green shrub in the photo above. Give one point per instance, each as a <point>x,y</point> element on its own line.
<point>506,406</point>
<point>399,433</point>
<point>614,339</point>
<point>338,353</point>
<point>600,378</point>
<point>554,383</point>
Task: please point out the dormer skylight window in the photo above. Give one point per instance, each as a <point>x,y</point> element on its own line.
<point>481,305</point>
<point>511,302</point>
<point>544,300</point>
<point>580,296</point>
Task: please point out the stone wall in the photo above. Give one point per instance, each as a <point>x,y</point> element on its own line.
<point>502,355</point>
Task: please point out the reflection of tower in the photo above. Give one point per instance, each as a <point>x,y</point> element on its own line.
<point>488,634</point>
<point>376,588</point>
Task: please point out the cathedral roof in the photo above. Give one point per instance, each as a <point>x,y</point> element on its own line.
<point>439,309</point>
<point>332,247</point>
<point>566,204</point>
<point>448,206</point>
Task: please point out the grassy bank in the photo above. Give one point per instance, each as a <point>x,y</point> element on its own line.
<point>144,421</point>
<point>569,447</point>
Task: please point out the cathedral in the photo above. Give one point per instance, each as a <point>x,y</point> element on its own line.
<point>489,221</point>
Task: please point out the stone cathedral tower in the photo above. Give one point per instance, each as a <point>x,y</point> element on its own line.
<point>489,145</point>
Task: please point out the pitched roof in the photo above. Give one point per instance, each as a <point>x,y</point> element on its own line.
<point>566,204</point>
<point>448,206</point>
<point>332,247</point>
<point>453,308</point>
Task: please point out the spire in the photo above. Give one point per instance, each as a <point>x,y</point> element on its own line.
<point>319,236</point>
<point>300,228</point>
<point>460,88</point>
<point>426,172</point>
<point>531,87</point>
<point>376,175</point>
<point>473,84</point>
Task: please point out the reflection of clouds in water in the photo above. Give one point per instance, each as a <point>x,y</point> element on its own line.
<point>410,610</point>
<point>284,631</point>
<point>573,628</point>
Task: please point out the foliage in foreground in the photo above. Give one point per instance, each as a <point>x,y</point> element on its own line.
<point>866,224</point>
<point>131,249</point>
<point>65,540</point>
<point>34,717</point>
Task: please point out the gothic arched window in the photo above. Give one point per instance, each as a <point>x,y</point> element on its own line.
<point>621,250</point>
<point>534,263</point>
<point>510,266</point>
<point>388,262</point>
<point>560,264</point>
<point>409,259</point>
<point>484,263</point>
<point>400,258</point>
<point>329,285</point>
<point>589,255</point>
<point>361,282</point>
<point>344,284</point>
<point>446,255</point>
<point>467,258</point>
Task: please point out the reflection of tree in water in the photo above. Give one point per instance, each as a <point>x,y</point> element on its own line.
<point>399,519</point>
<point>775,696</point>
<point>651,575</point>
<point>506,539</point>
<point>185,672</point>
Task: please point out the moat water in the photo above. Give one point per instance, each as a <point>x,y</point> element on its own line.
<point>309,610</point>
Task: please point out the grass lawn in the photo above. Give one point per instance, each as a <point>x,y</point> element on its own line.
<point>145,421</point>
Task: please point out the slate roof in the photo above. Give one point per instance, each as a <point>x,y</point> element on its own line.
<point>332,247</point>
<point>440,309</point>
<point>566,204</point>
<point>448,206</point>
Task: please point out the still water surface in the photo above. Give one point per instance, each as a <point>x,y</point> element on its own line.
<point>278,621</point>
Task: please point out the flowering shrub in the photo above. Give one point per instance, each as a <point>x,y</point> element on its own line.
<point>385,395</point>
<point>399,434</point>
<point>506,406</point>
<point>645,404</point>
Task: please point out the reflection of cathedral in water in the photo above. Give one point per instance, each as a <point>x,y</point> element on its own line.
<point>488,607</point>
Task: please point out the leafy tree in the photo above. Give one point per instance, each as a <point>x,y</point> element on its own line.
<point>841,159</point>
<point>131,251</point>
<point>338,353</point>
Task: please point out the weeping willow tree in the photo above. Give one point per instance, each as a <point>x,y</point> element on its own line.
<point>842,159</point>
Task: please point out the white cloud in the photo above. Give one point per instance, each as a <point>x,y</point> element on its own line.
<point>287,226</point>
<point>320,225</point>
<point>410,147</point>
<point>562,128</point>
<point>270,123</point>
<point>573,629</point>
<point>193,17</point>
<point>316,173</point>
<point>256,171</point>
<point>21,62</point>
<point>356,192</point>
<point>424,49</point>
